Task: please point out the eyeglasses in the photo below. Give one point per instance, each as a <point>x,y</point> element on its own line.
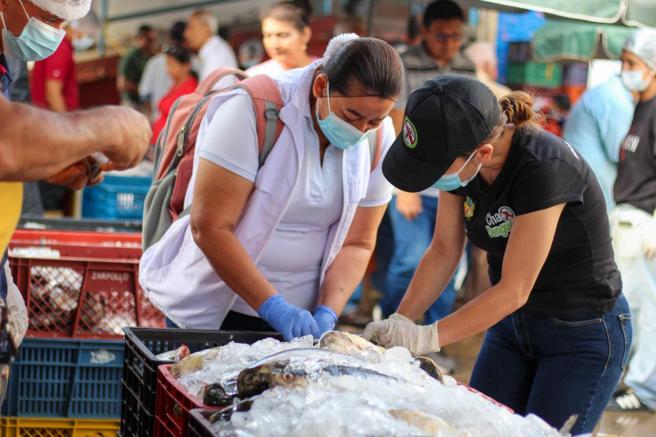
<point>446,37</point>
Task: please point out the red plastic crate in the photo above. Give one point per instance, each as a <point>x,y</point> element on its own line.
<point>173,405</point>
<point>91,291</point>
<point>82,244</point>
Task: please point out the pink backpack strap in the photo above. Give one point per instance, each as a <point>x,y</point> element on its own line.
<point>267,103</point>
<point>208,83</point>
<point>377,153</point>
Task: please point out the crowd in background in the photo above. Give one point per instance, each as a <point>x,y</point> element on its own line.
<point>161,67</point>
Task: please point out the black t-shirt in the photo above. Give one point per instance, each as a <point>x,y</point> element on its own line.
<point>579,276</point>
<point>636,172</point>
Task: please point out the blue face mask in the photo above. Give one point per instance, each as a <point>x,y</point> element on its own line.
<point>339,132</point>
<point>452,181</point>
<point>37,40</point>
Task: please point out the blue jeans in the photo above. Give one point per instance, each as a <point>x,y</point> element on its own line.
<point>411,239</point>
<point>555,368</point>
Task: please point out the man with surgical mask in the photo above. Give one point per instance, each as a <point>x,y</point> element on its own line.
<point>39,144</point>
<point>633,221</point>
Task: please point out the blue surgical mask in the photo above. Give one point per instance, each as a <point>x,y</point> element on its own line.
<point>37,41</point>
<point>452,181</point>
<point>339,132</point>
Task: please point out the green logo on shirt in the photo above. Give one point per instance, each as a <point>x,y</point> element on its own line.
<point>410,134</point>
<point>470,207</point>
<point>500,224</point>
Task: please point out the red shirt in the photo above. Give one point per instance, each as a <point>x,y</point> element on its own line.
<point>184,88</point>
<point>59,66</point>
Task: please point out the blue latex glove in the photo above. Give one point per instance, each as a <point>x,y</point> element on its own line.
<point>326,318</point>
<point>287,319</point>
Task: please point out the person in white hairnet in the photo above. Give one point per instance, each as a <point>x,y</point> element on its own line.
<point>633,222</point>
<point>38,144</point>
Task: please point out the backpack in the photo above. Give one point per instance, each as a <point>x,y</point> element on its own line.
<point>176,144</point>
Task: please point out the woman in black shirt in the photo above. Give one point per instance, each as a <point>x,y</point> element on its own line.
<point>559,327</point>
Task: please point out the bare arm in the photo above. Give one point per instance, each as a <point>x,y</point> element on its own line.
<point>528,247</point>
<point>35,144</point>
<point>55,95</point>
<point>219,200</point>
<point>440,260</point>
<point>351,262</point>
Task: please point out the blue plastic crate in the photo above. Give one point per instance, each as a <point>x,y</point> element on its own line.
<point>78,379</point>
<point>117,197</point>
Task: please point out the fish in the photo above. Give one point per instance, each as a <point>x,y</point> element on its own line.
<point>174,355</point>
<point>225,392</point>
<point>193,362</point>
<point>343,342</point>
<point>225,414</point>
<point>256,380</point>
<point>426,423</point>
<point>346,343</point>
<point>215,395</point>
<point>429,366</point>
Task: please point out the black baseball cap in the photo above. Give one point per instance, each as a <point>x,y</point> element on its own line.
<point>448,117</point>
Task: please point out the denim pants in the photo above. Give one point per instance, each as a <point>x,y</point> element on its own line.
<point>555,368</point>
<point>411,239</point>
<point>628,225</point>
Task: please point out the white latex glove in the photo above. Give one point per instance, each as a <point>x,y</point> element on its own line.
<point>398,330</point>
<point>649,238</point>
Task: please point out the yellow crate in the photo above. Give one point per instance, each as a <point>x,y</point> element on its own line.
<point>41,427</point>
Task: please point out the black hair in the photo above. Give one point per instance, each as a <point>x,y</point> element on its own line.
<point>143,30</point>
<point>369,63</point>
<point>297,13</point>
<point>442,10</point>
<point>179,53</point>
<point>176,33</point>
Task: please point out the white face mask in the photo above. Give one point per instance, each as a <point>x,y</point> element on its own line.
<point>635,80</point>
<point>37,41</point>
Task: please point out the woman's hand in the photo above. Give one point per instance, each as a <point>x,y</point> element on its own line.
<point>287,319</point>
<point>398,330</point>
<point>326,319</point>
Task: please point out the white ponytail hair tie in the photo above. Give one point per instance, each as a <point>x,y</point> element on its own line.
<point>336,43</point>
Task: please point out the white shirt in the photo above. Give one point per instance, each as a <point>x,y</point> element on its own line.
<point>269,68</point>
<point>216,53</point>
<point>291,260</point>
<point>155,83</point>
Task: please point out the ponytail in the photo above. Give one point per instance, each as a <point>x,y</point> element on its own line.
<point>518,109</point>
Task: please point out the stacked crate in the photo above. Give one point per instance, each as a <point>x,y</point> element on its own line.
<point>80,290</point>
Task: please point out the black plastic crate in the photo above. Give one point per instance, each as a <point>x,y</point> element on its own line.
<point>140,367</point>
<point>199,425</point>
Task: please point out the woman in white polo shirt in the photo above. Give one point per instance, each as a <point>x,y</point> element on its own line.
<point>283,245</point>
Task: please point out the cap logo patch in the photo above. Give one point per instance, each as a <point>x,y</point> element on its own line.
<point>410,138</point>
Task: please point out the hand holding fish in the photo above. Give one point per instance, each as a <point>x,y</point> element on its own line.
<point>398,330</point>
